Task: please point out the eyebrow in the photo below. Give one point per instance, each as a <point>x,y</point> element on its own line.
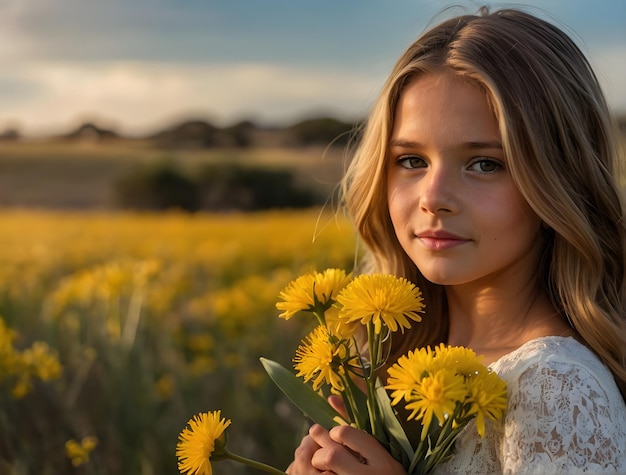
<point>400,143</point>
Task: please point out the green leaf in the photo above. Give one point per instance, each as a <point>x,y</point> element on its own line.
<point>312,404</point>
<point>391,422</point>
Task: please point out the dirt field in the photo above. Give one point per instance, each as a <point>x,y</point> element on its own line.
<point>81,174</point>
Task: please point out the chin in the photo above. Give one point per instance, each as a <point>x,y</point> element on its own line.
<point>440,278</point>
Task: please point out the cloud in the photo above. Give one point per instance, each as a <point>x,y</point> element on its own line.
<point>140,64</point>
<point>141,96</point>
<point>138,97</point>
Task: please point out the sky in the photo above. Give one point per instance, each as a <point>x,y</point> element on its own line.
<point>139,65</point>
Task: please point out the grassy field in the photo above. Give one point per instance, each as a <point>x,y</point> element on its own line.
<point>147,318</point>
<point>153,318</point>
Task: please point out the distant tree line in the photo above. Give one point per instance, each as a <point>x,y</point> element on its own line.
<point>213,187</point>
<point>322,131</point>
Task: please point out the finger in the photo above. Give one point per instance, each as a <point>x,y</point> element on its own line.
<point>306,449</point>
<point>333,456</point>
<point>357,440</point>
<point>320,436</point>
<point>336,402</point>
<point>303,455</point>
<point>366,449</point>
<point>336,458</point>
<point>296,468</point>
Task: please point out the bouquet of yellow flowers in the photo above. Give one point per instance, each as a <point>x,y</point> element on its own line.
<point>443,388</point>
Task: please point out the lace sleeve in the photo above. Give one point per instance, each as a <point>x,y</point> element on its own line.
<point>561,419</point>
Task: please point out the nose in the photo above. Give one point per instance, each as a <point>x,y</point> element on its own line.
<point>438,191</point>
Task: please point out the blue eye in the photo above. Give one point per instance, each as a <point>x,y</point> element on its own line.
<point>411,161</point>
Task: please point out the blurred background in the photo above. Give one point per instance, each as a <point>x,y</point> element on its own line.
<point>166,168</point>
<point>138,67</point>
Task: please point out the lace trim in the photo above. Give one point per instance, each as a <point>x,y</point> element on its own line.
<point>565,415</point>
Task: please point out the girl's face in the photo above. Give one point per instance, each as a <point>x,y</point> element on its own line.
<point>454,207</point>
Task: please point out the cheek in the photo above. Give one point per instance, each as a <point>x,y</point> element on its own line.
<point>398,207</point>
<point>400,199</point>
<point>511,217</point>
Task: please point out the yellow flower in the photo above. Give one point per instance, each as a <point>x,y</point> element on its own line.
<point>309,290</point>
<point>297,296</point>
<point>433,381</point>
<point>408,372</point>
<point>436,395</point>
<point>463,360</point>
<point>318,359</point>
<point>329,283</point>
<point>89,443</point>
<point>197,443</point>
<point>381,299</point>
<point>488,398</point>
<point>42,361</point>
<point>78,452</point>
<point>22,387</point>
<point>410,369</point>
<point>338,326</point>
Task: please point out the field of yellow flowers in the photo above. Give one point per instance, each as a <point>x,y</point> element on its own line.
<point>116,328</point>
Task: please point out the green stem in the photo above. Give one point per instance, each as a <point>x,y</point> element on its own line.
<point>252,463</point>
<point>351,406</point>
<point>445,441</point>
<point>419,456</point>
<point>321,318</point>
<point>370,381</point>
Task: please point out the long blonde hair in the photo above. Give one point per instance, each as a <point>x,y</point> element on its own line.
<point>556,126</point>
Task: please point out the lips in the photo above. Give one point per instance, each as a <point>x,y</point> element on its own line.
<point>440,240</point>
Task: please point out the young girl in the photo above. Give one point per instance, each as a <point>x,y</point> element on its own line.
<point>485,175</point>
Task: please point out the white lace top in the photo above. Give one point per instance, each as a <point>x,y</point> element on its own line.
<point>565,415</point>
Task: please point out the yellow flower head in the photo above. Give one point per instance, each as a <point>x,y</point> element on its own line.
<point>488,398</point>
<point>196,444</point>
<point>318,357</point>
<point>381,299</point>
<point>433,381</point>
<point>310,290</point>
<point>329,283</point>
<point>415,365</point>
<point>338,326</point>
<point>436,395</point>
<point>407,373</point>
<point>78,452</point>
<point>463,360</point>
<point>297,296</point>
<point>42,361</point>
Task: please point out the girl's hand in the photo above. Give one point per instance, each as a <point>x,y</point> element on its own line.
<point>303,455</point>
<point>301,464</point>
<point>343,450</point>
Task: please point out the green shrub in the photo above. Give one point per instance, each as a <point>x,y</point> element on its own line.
<point>157,187</point>
<point>221,187</point>
<point>320,131</point>
<point>229,186</point>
